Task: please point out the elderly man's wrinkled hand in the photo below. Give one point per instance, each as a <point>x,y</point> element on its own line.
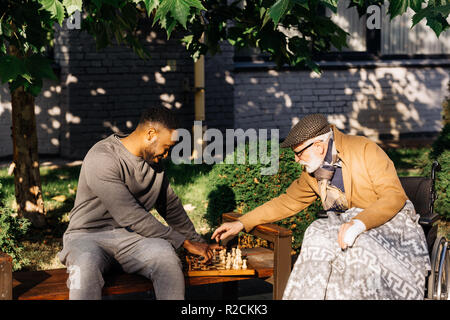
<point>226,230</point>
<point>349,232</point>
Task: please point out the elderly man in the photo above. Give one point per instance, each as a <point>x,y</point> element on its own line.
<point>371,246</point>
<point>110,223</point>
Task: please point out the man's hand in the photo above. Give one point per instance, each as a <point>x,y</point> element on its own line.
<point>349,232</point>
<point>226,230</point>
<point>201,249</point>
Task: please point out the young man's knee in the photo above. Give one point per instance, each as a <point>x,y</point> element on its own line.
<point>87,267</point>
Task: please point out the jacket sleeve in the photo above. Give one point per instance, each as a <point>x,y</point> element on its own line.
<point>297,197</point>
<point>103,178</point>
<point>390,194</point>
<point>169,206</point>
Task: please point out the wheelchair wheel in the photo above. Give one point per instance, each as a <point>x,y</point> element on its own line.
<point>439,279</point>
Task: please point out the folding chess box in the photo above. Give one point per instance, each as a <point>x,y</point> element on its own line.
<point>223,263</point>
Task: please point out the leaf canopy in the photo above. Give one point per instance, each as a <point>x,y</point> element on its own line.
<point>287,31</point>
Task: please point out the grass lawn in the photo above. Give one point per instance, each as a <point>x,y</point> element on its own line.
<point>190,183</point>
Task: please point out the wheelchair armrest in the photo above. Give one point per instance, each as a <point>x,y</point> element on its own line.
<point>322,214</point>
<point>428,220</point>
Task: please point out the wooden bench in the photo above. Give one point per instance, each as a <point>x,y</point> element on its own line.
<point>51,284</point>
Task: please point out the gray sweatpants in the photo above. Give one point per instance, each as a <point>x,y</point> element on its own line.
<point>88,255</point>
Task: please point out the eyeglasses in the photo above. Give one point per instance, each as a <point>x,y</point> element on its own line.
<point>299,153</point>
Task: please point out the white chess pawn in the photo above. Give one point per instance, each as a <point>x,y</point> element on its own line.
<point>228,266</point>
<point>244,264</point>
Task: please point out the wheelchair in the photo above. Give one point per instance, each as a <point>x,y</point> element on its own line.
<point>421,192</point>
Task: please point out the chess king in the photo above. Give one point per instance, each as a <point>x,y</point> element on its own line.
<point>371,246</point>
<point>120,181</point>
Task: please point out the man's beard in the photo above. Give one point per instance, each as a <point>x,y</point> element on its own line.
<point>313,164</point>
<point>149,156</point>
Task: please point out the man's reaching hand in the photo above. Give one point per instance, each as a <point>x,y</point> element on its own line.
<point>200,249</point>
<point>226,230</point>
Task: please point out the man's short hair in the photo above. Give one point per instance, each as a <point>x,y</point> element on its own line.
<point>160,115</point>
<point>322,137</point>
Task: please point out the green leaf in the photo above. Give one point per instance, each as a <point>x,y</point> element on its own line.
<point>416,5</point>
<point>332,4</point>
<point>10,68</point>
<point>35,87</point>
<point>436,17</point>
<point>397,7</point>
<point>39,67</point>
<point>303,3</point>
<point>314,67</point>
<point>5,29</point>
<point>55,8</point>
<point>72,6</point>
<point>178,10</point>
<point>18,82</point>
<point>150,5</point>
<point>277,11</point>
<point>418,17</point>
<point>98,3</point>
<point>187,40</point>
<point>435,25</point>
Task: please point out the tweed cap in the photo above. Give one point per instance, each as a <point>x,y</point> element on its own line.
<point>308,127</point>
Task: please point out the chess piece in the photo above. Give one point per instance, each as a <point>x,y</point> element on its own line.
<point>244,264</point>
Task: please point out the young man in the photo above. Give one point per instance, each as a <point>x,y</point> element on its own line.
<point>371,246</point>
<point>120,181</point>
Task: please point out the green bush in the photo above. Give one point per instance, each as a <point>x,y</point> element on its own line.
<point>242,188</point>
<point>441,153</point>
<point>12,229</point>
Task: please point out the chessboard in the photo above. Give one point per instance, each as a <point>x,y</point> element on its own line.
<point>223,263</point>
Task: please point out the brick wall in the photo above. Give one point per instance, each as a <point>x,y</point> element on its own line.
<point>219,89</point>
<point>48,119</point>
<point>372,102</point>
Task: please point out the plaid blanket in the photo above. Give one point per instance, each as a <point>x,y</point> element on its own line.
<point>387,262</point>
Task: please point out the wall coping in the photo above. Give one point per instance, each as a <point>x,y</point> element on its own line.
<point>244,66</point>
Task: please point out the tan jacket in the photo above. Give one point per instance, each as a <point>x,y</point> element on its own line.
<point>370,182</point>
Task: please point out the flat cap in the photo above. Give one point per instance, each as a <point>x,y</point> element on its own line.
<point>308,127</point>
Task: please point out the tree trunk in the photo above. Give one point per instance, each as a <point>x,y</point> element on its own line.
<point>26,160</point>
